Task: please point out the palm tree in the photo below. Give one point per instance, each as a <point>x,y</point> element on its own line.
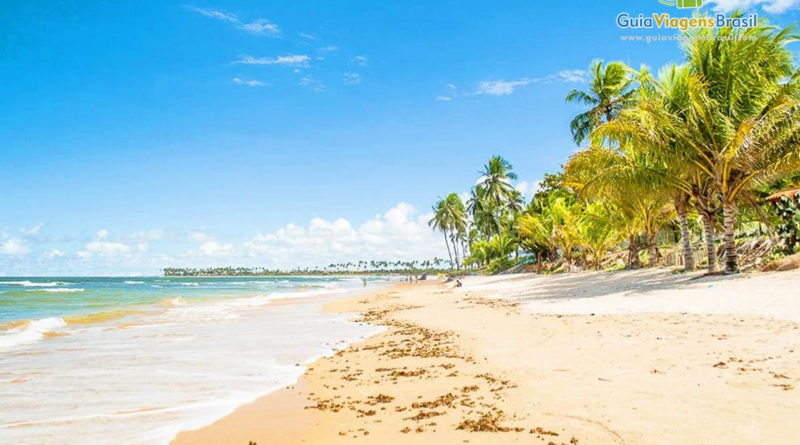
<point>629,179</point>
<point>441,221</point>
<point>493,191</point>
<point>745,104</point>
<point>554,228</point>
<point>612,89</point>
<point>457,218</point>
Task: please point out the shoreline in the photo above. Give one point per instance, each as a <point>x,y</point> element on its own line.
<point>474,365</point>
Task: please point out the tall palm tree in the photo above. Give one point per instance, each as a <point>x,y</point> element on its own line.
<point>745,104</point>
<point>441,221</point>
<point>612,89</point>
<point>457,218</point>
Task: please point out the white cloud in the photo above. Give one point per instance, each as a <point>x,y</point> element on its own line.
<point>32,231</point>
<point>288,60</point>
<point>501,87</point>
<point>360,60</point>
<point>443,98</point>
<point>261,26</point>
<point>54,253</point>
<point>107,247</point>
<point>399,233</point>
<point>450,85</point>
<point>199,237</point>
<point>352,78</point>
<point>308,81</point>
<point>215,14</point>
<point>258,26</point>
<point>306,36</point>
<point>527,189</point>
<point>101,246</point>
<point>214,248</point>
<point>148,235</point>
<point>328,49</point>
<point>577,76</point>
<point>248,82</point>
<point>504,87</point>
<point>13,246</point>
<point>771,6</point>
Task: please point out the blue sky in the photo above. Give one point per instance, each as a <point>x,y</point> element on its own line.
<point>137,135</point>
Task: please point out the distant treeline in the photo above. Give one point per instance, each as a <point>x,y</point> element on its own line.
<point>435,265</point>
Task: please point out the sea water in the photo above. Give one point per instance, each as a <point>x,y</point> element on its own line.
<point>135,360</point>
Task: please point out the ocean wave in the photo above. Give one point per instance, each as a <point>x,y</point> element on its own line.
<point>27,283</point>
<point>30,332</point>
<point>133,282</point>
<point>172,302</point>
<point>65,290</point>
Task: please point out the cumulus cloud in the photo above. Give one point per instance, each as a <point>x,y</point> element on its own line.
<point>102,246</point>
<point>443,99</point>
<point>527,189</point>
<point>288,60</point>
<point>13,246</point>
<point>32,231</point>
<point>399,233</point>
<point>214,248</point>
<point>199,237</point>
<point>771,6</point>
<point>55,253</point>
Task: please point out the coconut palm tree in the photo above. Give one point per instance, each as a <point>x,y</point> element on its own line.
<point>738,127</point>
<point>441,221</point>
<point>629,179</point>
<point>457,218</point>
<point>493,191</point>
<point>612,89</point>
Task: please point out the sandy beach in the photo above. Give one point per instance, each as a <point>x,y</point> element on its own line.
<point>639,357</point>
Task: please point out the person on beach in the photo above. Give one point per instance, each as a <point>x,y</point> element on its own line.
<point>365,281</point>
<point>458,283</point>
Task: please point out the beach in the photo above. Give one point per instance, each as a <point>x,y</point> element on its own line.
<point>633,357</point>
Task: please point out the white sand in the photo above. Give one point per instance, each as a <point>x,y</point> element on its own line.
<point>774,295</point>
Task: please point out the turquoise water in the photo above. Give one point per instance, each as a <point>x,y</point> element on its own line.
<point>25,298</point>
<point>135,360</point>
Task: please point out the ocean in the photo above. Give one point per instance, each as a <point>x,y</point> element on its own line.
<point>135,360</point>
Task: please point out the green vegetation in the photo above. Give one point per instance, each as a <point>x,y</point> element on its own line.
<point>665,160</point>
<point>363,267</point>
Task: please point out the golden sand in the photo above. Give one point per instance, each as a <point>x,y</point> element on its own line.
<point>454,367</point>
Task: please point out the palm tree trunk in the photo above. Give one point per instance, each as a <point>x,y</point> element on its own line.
<point>455,251</point>
<point>633,253</point>
<point>652,251</point>
<point>688,255</point>
<point>729,236</point>
<point>447,243</point>
<point>708,233</point>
